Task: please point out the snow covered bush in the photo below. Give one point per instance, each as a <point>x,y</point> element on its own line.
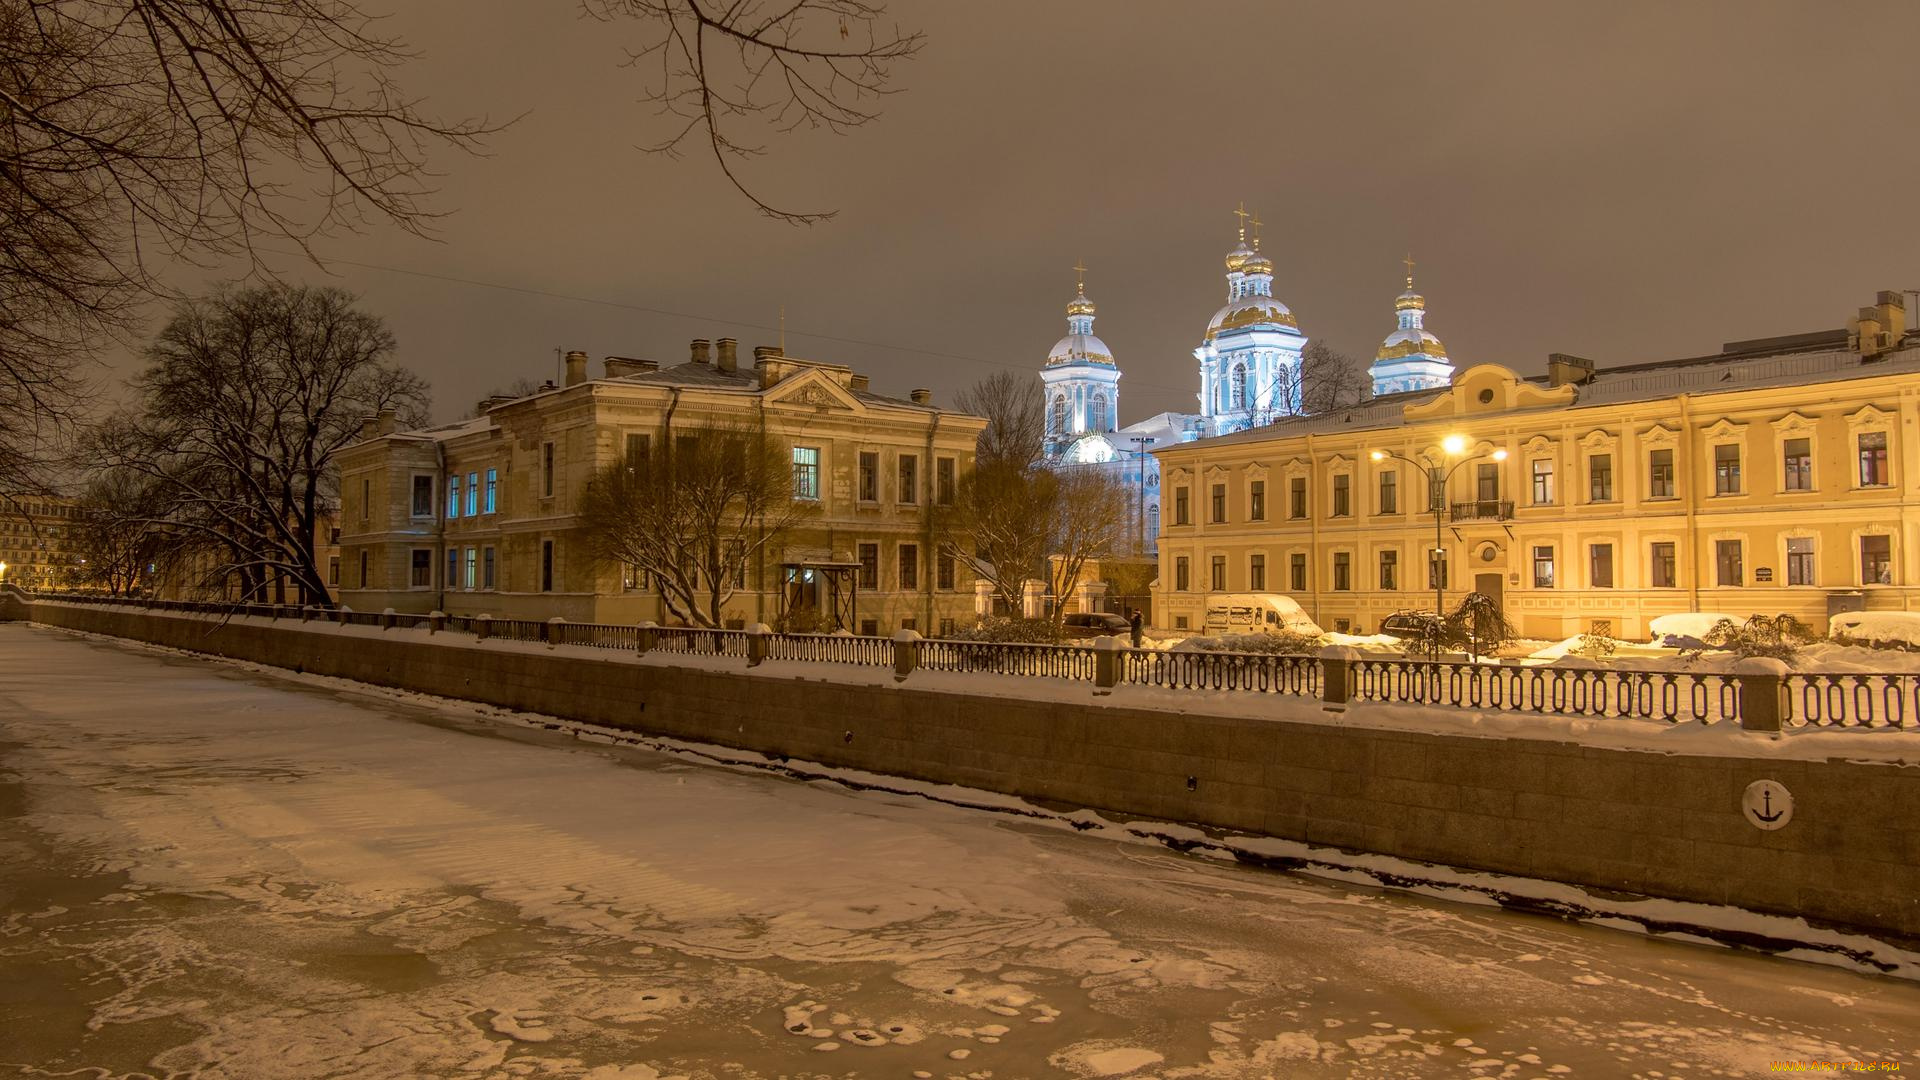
<point>1594,647</point>
<point>1280,641</point>
<point>1878,629</point>
<point>1776,636</point>
<point>1011,631</point>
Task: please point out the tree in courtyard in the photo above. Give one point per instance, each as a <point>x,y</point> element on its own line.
<point>1324,380</point>
<point>696,517</point>
<point>1089,518</point>
<point>1011,524</point>
<point>1479,623</point>
<point>115,532</point>
<point>247,396</point>
<point>1015,411</point>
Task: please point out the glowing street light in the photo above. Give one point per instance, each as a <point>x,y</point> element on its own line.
<point>1438,474</point>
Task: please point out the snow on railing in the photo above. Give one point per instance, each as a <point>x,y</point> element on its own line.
<point>1671,696</point>
<point>1263,673</point>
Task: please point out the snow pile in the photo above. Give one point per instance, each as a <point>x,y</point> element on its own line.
<point>1377,642</point>
<point>1688,624</point>
<point>1900,628</point>
<point>1558,649</point>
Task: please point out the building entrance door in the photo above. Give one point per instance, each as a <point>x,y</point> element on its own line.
<point>1491,585</point>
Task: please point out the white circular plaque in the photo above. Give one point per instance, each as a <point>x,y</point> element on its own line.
<point>1767,804</point>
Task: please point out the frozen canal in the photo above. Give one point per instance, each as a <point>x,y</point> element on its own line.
<point>211,872</point>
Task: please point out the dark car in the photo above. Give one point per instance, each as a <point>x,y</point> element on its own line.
<point>1411,625</point>
<point>1096,625</point>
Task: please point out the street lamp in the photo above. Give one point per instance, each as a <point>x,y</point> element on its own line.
<point>1438,474</point>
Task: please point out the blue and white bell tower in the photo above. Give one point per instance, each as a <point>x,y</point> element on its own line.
<point>1410,358</point>
<point>1250,360</point>
<point>1082,387</point>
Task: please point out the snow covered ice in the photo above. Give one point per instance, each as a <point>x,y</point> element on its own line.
<point>217,872</point>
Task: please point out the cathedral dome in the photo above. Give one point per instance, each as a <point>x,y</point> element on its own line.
<point>1080,348</point>
<point>1417,341</point>
<point>1251,311</point>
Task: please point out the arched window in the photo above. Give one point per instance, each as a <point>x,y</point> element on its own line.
<point>1239,386</point>
<point>1060,415</point>
<point>1099,413</point>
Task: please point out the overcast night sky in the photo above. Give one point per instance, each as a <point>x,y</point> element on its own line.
<point>1628,182</point>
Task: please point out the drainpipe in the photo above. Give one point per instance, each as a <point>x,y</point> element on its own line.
<point>932,557</point>
<point>1686,465</point>
<point>1313,531</point>
<point>440,523</point>
<point>666,454</point>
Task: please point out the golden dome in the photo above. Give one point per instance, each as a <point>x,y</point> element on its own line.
<point>1237,258</point>
<point>1257,264</point>
<point>1410,301</point>
<point>1080,305</point>
<point>1252,311</point>
<point>1424,345</point>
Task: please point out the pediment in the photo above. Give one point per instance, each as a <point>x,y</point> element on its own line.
<point>813,390</point>
<point>1870,416</point>
<point>1179,476</point>
<point>1599,439</point>
<point>1538,445</point>
<point>1794,424</point>
<point>1724,429</point>
<point>1216,473</point>
<point>1486,388</point>
<point>1256,471</point>
<point>1340,461</point>
<point>1660,435</point>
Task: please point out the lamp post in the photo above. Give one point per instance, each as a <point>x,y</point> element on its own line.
<point>1140,444</point>
<point>1438,474</point>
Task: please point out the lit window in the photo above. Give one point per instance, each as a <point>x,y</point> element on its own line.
<point>806,472</point>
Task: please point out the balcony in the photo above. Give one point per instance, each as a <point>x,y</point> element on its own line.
<point>1484,510</point>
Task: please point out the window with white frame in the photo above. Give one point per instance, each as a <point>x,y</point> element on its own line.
<point>1876,560</point>
<point>1800,560</point>
<point>1873,458</point>
<point>1543,567</point>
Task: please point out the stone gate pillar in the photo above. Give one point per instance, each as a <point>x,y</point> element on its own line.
<point>1033,599</point>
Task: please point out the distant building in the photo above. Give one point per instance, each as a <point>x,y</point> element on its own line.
<point>478,517</point>
<point>1774,476</point>
<point>38,545</point>
<point>1411,358</point>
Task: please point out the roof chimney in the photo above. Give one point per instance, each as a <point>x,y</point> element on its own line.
<point>1564,368</point>
<point>921,396</point>
<point>858,382</point>
<point>385,423</point>
<point>728,362</point>
<point>700,346</point>
<point>1878,329</point>
<point>576,368</point>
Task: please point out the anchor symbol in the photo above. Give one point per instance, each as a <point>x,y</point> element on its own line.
<point>1767,812</point>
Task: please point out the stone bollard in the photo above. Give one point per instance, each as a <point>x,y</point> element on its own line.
<point>906,654</point>
<point>1763,693</point>
<point>1336,675</point>
<point>386,619</point>
<point>436,621</point>
<point>757,643</point>
<point>646,636</point>
<point>482,627</point>
<point>1106,665</point>
<point>554,631</point>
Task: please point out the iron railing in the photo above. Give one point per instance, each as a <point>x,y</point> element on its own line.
<point>1671,696</point>
<point>831,649</point>
<point>1484,510</point>
<point>1007,658</point>
<point>1262,673</point>
<point>1852,700</point>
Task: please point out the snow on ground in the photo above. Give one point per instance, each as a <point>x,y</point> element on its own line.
<point>1892,627</point>
<point>232,874</point>
<point>1688,624</point>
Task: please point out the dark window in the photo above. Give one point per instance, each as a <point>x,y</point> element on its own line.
<point>1297,497</point>
<point>486,568</point>
<point>1181,578</point>
<point>806,473</point>
<point>422,496</point>
<point>333,570</point>
<point>1726,469</point>
<point>1876,560</point>
<point>1660,474</point>
<point>1342,571</point>
<point>546,470</point>
<point>1389,570</point>
<point>1543,567</point>
<point>422,568</point>
<point>869,476</point>
<point>1600,478</point>
<point>1217,511</point>
<point>1799,560</point>
<point>1257,573</point>
<point>546,565</point>
<point>909,478</point>
<point>1662,566</point>
<point>870,566</point>
<point>1389,493</point>
<point>1342,495</point>
<point>1873,459</point>
<point>1797,465</point>
<point>1488,478</point>
<point>452,580</point>
<point>943,570</point>
<point>1437,568</point>
<point>1217,573</point>
<point>909,566</point>
<point>943,480</point>
<point>333,536</point>
<point>1257,500</point>
<point>1297,571</point>
<point>1542,482</point>
<point>364,583</point>
<point>639,449</point>
<point>869,627</point>
<point>366,498</point>
<point>1600,566</point>
<point>1728,569</point>
<point>1180,512</point>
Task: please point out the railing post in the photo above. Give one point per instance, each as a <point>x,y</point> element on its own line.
<point>386,619</point>
<point>1336,675</point>
<point>906,653</point>
<point>436,621</point>
<point>1106,665</point>
<point>757,643</point>
<point>553,631</point>
<point>1763,704</point>
<point>646,636</point>
<point>482,627</point>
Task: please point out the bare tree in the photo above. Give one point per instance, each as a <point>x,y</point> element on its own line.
<point>115,532</point>
<point>1330,379</point>
<point>247,397</point>
<point>1015,411</point>
<point>695,518</point>
<point>1089,518</point>
<point>999,524</point>
<point>518,388</point>
<point>716,67</point>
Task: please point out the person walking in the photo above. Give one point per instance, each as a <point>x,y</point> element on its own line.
<point>1134,620</point>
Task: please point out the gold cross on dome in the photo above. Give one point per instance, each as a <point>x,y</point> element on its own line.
<point>1256,232</point>
<point>1080,268</point>
<point>1241,213</point>
<point>1409,261</point>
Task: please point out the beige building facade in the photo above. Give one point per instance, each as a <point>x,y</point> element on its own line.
<point>479,517</point>
<point>1777,476</point>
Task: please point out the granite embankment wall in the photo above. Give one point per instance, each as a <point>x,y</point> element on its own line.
<point>1657,824</point>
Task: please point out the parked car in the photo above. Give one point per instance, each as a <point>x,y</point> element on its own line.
<point>1256,613</point>
<point>1412,625</point>
<point>1096,624</point>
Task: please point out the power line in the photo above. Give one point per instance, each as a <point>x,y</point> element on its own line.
<point>670,313</point>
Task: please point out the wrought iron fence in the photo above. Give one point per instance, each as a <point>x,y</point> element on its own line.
<point>1671,696</point>
<point>517,630</point>
<point>1852,700</point>
<point>692,639</point>
<point>1003,658</point>
<point>831,649</point>
<point>1262,673</point>
<point>596,635</point>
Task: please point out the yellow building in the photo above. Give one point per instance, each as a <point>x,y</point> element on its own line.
<point>1779,475</point>
<point>478,517</point>
<point>38,541</point>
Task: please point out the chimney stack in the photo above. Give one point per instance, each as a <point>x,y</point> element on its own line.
<point>921,396</point>
<point>385,424</point>
<point>1564,368</point>
<point>700,346</point>
<point>1880,328</point>
<point>728,360</point>
<point>576,368</point>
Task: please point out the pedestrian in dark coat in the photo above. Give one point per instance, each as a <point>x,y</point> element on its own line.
<point>1138,624</point>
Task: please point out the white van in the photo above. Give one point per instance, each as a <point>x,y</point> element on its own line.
<point>1256,613</point>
